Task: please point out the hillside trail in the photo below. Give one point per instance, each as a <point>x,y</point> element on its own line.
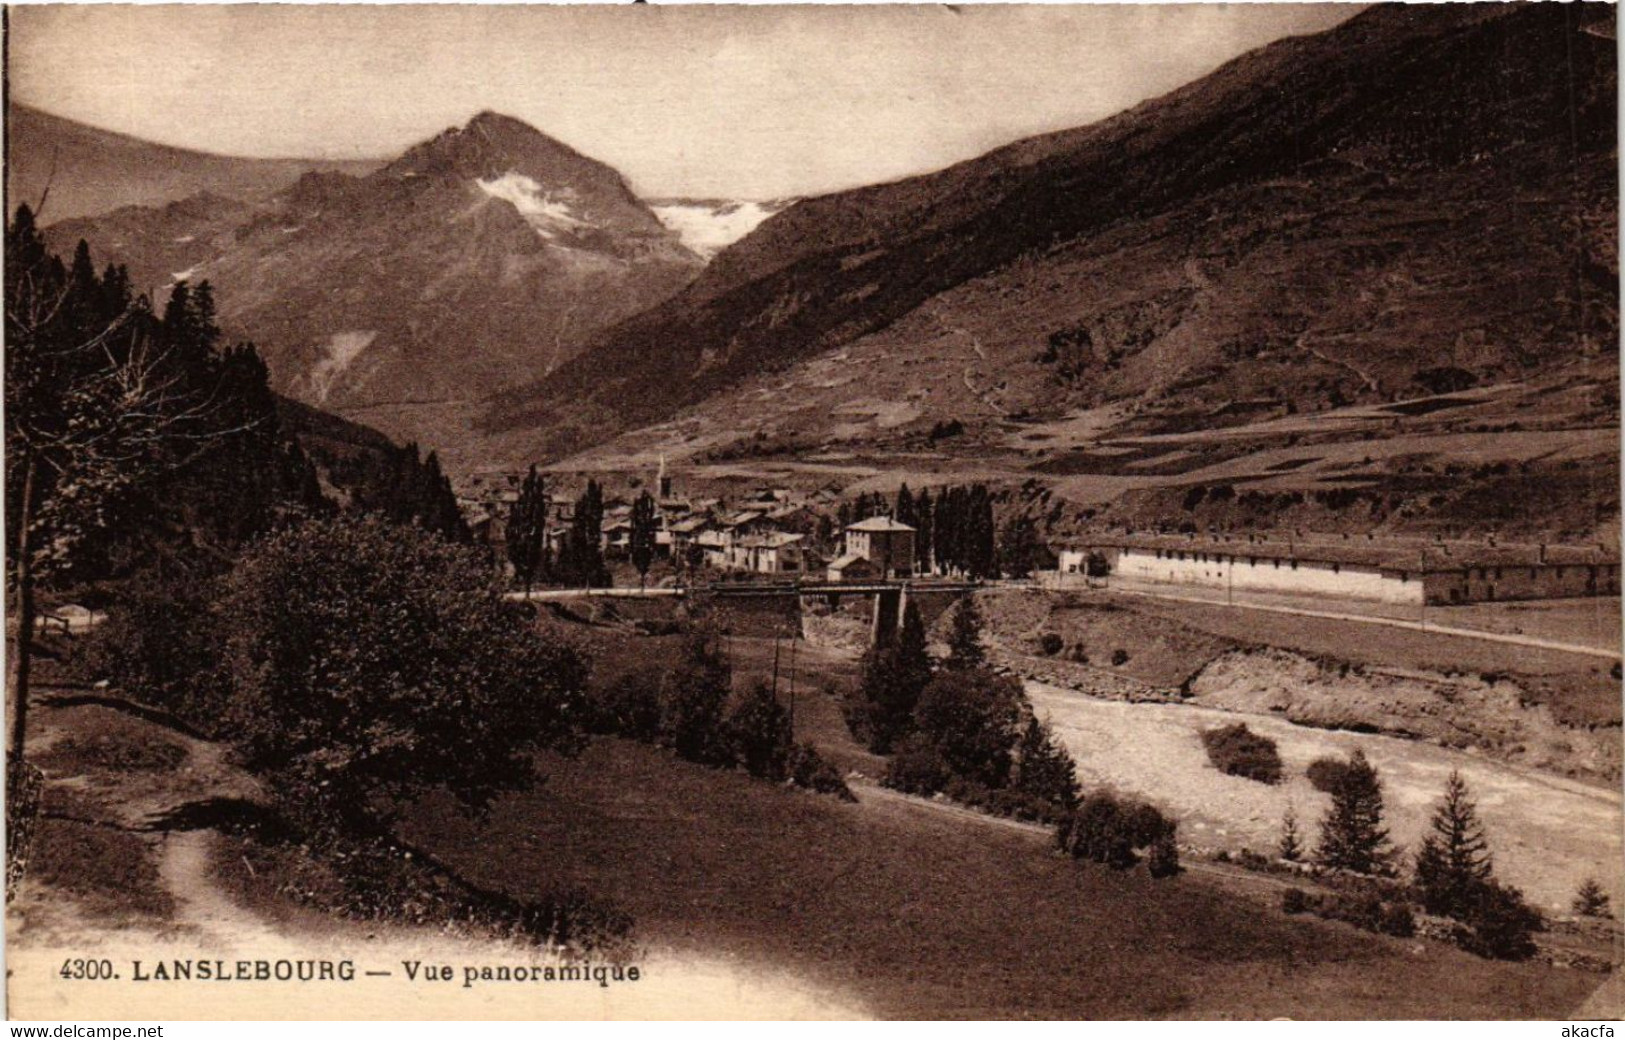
<point>186,871</point>
<point>208,920</point>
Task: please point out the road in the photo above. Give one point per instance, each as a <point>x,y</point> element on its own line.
<point>1371,619</point>
<point>1133,590</point>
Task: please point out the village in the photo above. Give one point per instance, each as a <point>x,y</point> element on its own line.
<point>774,533</point>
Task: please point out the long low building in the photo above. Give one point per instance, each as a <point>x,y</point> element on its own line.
<point>1433,573</point>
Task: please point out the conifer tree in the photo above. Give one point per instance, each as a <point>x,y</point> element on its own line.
<point>965,650</point>
<point>1291,845</point>
<point>1044,769</point>
<point>1454,862</point>
<point>895,670</point>
<point>1591,900</point>
<point>1352,836</point>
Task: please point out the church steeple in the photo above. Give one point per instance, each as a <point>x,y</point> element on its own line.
<point>662,481</point>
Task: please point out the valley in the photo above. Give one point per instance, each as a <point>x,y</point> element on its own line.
<point>1165,567</point>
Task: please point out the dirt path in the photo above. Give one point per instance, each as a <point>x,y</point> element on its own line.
<point>186,870</point>
<point>48,925</point>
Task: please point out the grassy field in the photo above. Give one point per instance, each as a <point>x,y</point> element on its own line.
<point>915,913</point>
<point>891,907</point>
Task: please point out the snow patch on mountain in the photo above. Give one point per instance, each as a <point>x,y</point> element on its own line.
<point>708,226</point>
<point>548,213</point>
<point>342,349</point>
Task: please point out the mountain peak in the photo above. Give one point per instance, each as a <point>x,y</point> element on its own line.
<point>492,144</point>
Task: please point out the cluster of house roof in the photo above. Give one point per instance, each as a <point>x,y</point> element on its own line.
<point>766,532</point>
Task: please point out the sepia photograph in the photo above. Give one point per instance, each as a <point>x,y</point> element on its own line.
<point>1059,512</point>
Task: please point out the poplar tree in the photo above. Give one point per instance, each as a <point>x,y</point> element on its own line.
<point>642,537</point>
<point>924,520</point>
<point>526,536</point>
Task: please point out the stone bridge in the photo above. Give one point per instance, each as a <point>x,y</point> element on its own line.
<point>888,600</point>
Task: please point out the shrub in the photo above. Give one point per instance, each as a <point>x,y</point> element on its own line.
<point>1397,920</point>
<point>628,706</point>
<point>1107,829</point>
<point>161,645</point>
<point>367,661</point>
<point>1023,805</point>
<point>1163,859</point>
<point>1119,657</point>
<point>917,768</point>
<point>1327,774</point>
<point>1050,643</point>
<point>1238,751</point>
<point>1097,832</point>
<point>1295,901</point>
<point>969,792</point>
<point>1500,925</point>
<point>693,696</point>
<point>808,769</point>
<point>758,728</point>
<point>116,752</point>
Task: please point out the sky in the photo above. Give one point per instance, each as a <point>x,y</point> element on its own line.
<point>742,102</point>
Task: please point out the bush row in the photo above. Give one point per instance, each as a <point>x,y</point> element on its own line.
<point>690,709</point>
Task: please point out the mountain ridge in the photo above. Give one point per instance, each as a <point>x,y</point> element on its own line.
<point>1340,111</point>
<point>92,171</point>
<point>477,258</point>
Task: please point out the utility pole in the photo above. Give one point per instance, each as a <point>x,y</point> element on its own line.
<point>792,684</point>
<point>775,666</point>
<point>1422,579</point>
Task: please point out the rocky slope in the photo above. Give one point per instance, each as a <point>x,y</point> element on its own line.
<point>1324,220</point>
<point>480,258</point>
